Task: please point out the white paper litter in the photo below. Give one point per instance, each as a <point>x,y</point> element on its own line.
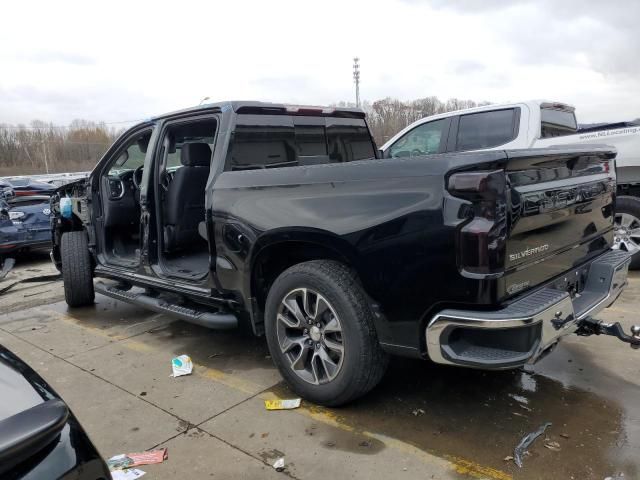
<point>181,365</point>
<point>130,474</point>
<point>279,464</point>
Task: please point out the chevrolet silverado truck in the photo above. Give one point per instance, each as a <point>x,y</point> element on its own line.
<point>283,220</point>
<point>534,124</point>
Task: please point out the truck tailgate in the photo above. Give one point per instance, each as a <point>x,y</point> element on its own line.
<point>560,213</point>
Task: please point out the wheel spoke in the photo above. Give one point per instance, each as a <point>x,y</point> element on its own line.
<point>333,326</point>
<point>292,305</point>
<point>327,363</point>
<point>288,322</point>
<point>333,345</point>
<point>635,233</point>
<point>315,370</point>
<point>626,220</point>
<point>300,362</point>
<point>288,343</point>
<point>321,306</point>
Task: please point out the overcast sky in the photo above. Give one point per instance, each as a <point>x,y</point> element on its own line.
<point>128,60</point>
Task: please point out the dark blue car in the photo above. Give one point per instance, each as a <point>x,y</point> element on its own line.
<point>24,222</point>
<point>26,186</point>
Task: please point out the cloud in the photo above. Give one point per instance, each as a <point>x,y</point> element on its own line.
<point>52,56</point>
<point>63,64</point>
<point>603,34</point>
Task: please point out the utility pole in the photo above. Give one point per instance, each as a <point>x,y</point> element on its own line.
<point>356,78</point>
<point>44,151</point>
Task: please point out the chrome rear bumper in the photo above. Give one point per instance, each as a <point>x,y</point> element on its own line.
<point>525,329</point>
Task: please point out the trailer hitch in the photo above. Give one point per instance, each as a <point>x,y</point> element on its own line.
<point>591,326</point>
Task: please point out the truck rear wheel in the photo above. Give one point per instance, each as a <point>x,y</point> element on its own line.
<point>321,334</point>
<point>627,223</point>
<point>77,273</point>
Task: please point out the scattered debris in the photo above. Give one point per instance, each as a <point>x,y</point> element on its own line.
<point>213,355</point>
<point>143,394</point>
<point>365,444</point>
<point>330,444</point>
<point>564,435</point>
<point>130,474</point>
<point>508,458</point>
<point>418,411</point>
<point>617,476</point>
<point>7,265</point>
<point>181,365</point>
<point>129,460</point>
<point>40,278</point>
<point>264,435</point>
<point>555,446</point>
<point>526,441</point>
<point>279,464</point>
<point>282,404</point>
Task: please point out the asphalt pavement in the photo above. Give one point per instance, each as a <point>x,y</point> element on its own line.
<point>112,363</point>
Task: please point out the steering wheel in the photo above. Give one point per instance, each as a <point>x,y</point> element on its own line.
<point>416,152</point>
<point>137,176</point>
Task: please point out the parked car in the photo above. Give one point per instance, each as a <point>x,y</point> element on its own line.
<point>534,124</point>
<point>26,186</point>
<point>40,438</point>
<point>282,219</point>
<point>24,222</point>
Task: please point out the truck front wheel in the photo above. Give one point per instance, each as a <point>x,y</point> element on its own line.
<point>321,334</point>
<point>627,224</point>
<point>77,273</point>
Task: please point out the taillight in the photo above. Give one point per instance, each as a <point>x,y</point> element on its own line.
<point>477,184</point>
<point>482,239</point>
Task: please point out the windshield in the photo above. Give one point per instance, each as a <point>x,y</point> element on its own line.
<point>132,156</point>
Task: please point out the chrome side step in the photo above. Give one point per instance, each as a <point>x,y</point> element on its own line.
<point>218,320</point>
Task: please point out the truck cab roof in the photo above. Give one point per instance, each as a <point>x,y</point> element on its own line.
<point>267,108</point>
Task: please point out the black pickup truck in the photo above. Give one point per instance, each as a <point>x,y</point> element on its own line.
<point>284,220</point>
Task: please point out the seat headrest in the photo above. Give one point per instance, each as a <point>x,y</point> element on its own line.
<point>195,155</point>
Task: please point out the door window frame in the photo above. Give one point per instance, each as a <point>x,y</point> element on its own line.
<point>452,142</point>
<point>444,139</point>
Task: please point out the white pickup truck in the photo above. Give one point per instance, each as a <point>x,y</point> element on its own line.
<point>533,124</point>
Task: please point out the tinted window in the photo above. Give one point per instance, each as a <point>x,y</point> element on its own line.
<point>269,141</point>
<point>422,140</point>
<point>348,141</point>
<point>556,123</point>
<point>262,141</point>
<point>486,129</point>
<point>311,140</point>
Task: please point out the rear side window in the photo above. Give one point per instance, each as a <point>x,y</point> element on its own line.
<point>557,123</point>
<point>486,129</point>
<point>270,141</point>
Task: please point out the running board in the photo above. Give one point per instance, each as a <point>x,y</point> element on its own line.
<point>216,320</point>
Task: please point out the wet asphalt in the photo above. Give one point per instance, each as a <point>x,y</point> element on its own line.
<point>111,362</point>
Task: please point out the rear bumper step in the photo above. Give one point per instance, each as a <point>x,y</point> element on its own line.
<point>524,330</point>
<point>220,320</point>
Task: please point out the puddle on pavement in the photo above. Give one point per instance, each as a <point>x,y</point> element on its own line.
<point>481,416</point>
<point>474,415</point>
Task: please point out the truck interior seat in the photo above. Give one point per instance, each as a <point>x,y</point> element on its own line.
<point>184,202</point>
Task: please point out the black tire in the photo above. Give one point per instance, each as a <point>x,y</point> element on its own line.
<point>77,272</point>
<point>363,361</point>
<point>630,206</point>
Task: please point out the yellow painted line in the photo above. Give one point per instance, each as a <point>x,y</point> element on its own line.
<point>326,416</point>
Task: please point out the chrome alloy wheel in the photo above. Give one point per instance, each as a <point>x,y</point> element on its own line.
<point>310,336</point>
<point>627,233</point>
